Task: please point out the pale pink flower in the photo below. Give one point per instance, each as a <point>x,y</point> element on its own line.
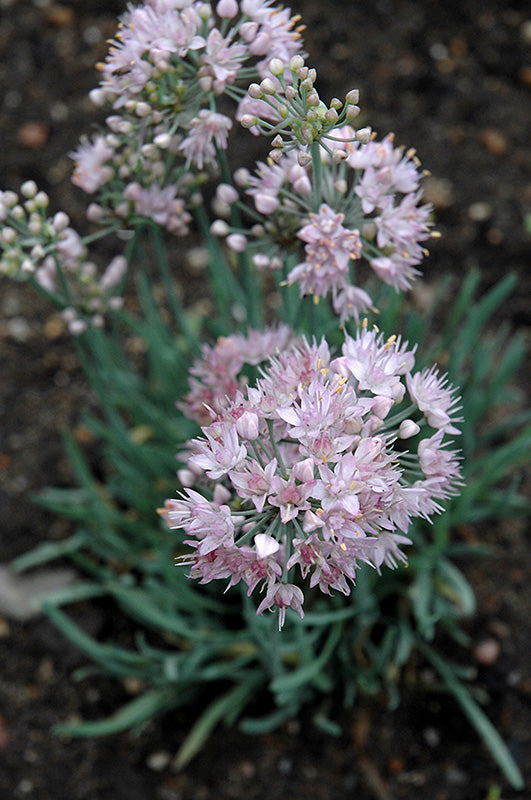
<point>207,131</point>
<point>92,169</point>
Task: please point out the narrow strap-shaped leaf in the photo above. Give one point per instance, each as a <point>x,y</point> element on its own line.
<point>482,724</point>
<point>139,710</point>
<point>234,699</point>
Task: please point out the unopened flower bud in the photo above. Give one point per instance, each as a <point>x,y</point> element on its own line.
<point>290,93</point>
<point>407,429</point>
<point>97,96</point>
<point>61,221</point>
<point>278,141</point>
<point>248,31</point>
<point>338,156</point>
<point>336,103</point>
<point>341,186</point>
<point>276,66</point>
<point>219,228</point>
<point>18,213</point>
<point>204,11</point>
<point>94,212</point>
<point>268,87</point>
<point>242,176</point>
<point>142,109</point>
<point>237,242</point>
<point>261,261</point>
<point>248,121</point>
<point>275,155</point>
<point>29,189</point>
<point>307,133</point>
<point>41,200</point>
<point>227,193</point>
<point>304,158</point>
<point>227,9</point>
<point>258,231</point>
<point>352,111</point>
<point>296,63</point>
<point>313,99</point>
<point>331,115</point>
<point>255,91</point>
<point>363,135</point>
<point>353,97</point>
<point>162,140</point>
<point>27,266</point>
<point>312,115</point>
<point>8,235</point>
<point>302,73</point>
<point>247,426</point>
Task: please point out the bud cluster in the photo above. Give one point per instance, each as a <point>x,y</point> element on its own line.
<point>286,105</point>
<point>50,252</point>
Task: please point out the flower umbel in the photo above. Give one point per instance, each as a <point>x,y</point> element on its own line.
<point>310,474</point>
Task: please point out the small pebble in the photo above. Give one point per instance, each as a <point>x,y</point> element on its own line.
<point>480,211</point>
<point>494,141</point>
<point>32,135</point>
<point>432,737</point>
<point>158,761</point>
<point>19,329</point>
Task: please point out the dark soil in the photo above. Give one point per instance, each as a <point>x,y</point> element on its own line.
<point>451,79</point>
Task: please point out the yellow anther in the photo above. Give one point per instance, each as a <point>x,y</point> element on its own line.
<point>343,546</point>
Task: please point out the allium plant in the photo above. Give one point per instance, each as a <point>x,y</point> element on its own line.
<point>313,451</point>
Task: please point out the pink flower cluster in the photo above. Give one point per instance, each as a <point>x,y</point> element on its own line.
<point>166,66</point>
<point>371,211</point>
<point>310,469</point>
<point>217,375</point>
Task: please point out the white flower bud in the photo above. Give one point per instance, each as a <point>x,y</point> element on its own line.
<point>407,429</point>
<point>248,121</point>
<point>18,213</point>
<point>8,235</point>
<point>219,228</point>
<point>261,261</point>
<point>242,176</point>
<point>29,189</point>
<point>227,193</point>
<point>268,87</point>
<point>237,242</point>
<point>353,97</point>
<point>364,135</point>
<point>142,109</point>
<point>60,221</point>
<point>204,11</point>
<point>227,9</point>
<point>247,426</point>
<point>296,62</point>
<point>162,140</point>
<point>41,200</point>
<point>276,66</point>
<point>97,96</point>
